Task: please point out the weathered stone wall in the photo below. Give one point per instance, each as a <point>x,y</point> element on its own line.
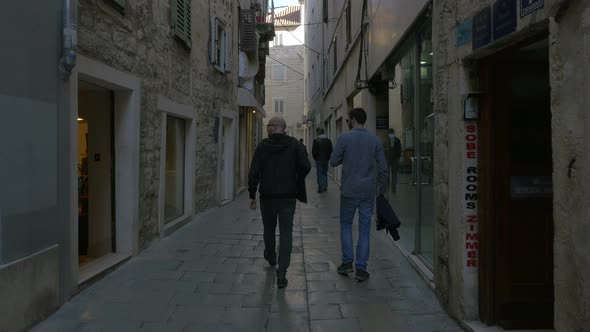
<point>140,41</point>
<point>570,67</point>
<point>570,103</point>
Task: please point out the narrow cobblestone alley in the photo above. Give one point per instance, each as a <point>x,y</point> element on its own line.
<point>210,276</point>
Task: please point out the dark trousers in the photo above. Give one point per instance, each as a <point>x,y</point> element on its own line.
<point>322,175</point>
<point>283,209</point>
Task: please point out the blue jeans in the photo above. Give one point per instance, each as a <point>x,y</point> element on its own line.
<point>322,175</point>
<point>348,207</point>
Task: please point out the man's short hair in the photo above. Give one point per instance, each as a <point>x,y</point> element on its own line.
<point>359,115</point>
<point>321,131</point>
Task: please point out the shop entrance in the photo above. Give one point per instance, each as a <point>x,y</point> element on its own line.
<point>96,164</point>
<point>516,199</point>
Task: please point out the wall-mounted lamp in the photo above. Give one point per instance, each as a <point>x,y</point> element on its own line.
<point>471,106</point>
<point>80,119</point>
<point>254,112</point>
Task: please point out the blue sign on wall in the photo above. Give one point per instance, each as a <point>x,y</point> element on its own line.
<point>464,32</point>
<point>529,6</point>
<point>482,28</point>
<point>504,18</point>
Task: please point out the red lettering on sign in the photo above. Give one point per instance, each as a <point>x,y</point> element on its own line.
<point>471,137</point>
<point>472,245</point>
<point>471,155</point>
<point>471,146</point>
<point>472,254</point>
<point>471,218</point>
<point>471,237</point>
<point>472,263</point>
<point>471,128</point>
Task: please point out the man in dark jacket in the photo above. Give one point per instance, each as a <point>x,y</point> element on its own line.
<point>321,151</point>
<point>278,171</point>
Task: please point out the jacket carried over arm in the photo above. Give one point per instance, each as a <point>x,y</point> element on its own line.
<point>279,167</point>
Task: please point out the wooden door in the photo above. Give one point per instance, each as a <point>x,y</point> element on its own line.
<point>517,219</point>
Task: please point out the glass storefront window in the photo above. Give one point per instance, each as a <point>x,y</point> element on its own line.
<point>175,160</point>
<point>409,146</point>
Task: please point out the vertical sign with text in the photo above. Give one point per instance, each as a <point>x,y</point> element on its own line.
<point>470,188</point>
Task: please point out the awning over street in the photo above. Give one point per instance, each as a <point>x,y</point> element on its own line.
<point>247,99</point>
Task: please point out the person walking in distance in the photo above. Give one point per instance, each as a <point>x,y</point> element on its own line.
<point>278,170</point>
<point>321,151</point>
<point>358,151</point>
<point>393,151</point>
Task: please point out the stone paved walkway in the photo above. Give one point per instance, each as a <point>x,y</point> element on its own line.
<point>210,276</point>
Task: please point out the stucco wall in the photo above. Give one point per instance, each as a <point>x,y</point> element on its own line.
<point>139,41</point>
<point>570,103</point>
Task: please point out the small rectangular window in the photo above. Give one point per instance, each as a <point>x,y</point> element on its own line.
<point>325,11</point>
<point>278,40</point>
<point>279,106</point>
<point>279,73</point>
<point>221,46</point>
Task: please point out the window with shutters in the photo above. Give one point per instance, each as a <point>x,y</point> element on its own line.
<point>278,40</point>
<point>279,73</point>
<point>348,23</point>
<point>278,105</point>
<point>221,46</point>
<point>248,31</point>
<point>181,21</point>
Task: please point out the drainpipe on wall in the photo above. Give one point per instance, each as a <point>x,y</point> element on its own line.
<point>70,38</point>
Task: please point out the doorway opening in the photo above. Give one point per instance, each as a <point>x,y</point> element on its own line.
<point>96,169</point>
<point>516,198</point>
<point>226,154</point>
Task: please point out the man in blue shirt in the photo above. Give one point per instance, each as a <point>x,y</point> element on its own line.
<point>358,151</point>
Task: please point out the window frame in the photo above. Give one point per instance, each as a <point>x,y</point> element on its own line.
<point>188,114</point>
<point>220,45</point>
<point>282,103</point>
<point>284,74</point>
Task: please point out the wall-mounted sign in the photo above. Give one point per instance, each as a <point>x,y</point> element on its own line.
<point>482,28</point>
<point>529,6</point>
<point>504,18</point>
<point>382,122</point>
<point>531,187</point>
<point>470,191</point>
<point>464,31</point>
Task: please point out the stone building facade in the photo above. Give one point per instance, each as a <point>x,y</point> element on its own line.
<point>486,98</point>
<point>139,124</point>
<point>285,82</point>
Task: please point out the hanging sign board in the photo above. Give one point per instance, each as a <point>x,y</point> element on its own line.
<point>482,28</point>
<point>504,18</point>
<point>529,6</point>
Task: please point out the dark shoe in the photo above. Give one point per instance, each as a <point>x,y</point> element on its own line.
<point>345,268</point>
<point>271,259</point>
<point>361,275</point>
<point>282,282</point>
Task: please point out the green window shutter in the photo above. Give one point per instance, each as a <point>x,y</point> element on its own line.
<point>228,51</point>
<point>181,20</point>
<point>214,41</point>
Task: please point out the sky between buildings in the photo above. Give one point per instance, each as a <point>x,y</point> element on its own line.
<point>281,3</point>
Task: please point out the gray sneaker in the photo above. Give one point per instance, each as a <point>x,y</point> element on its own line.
<point>345,268</point>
